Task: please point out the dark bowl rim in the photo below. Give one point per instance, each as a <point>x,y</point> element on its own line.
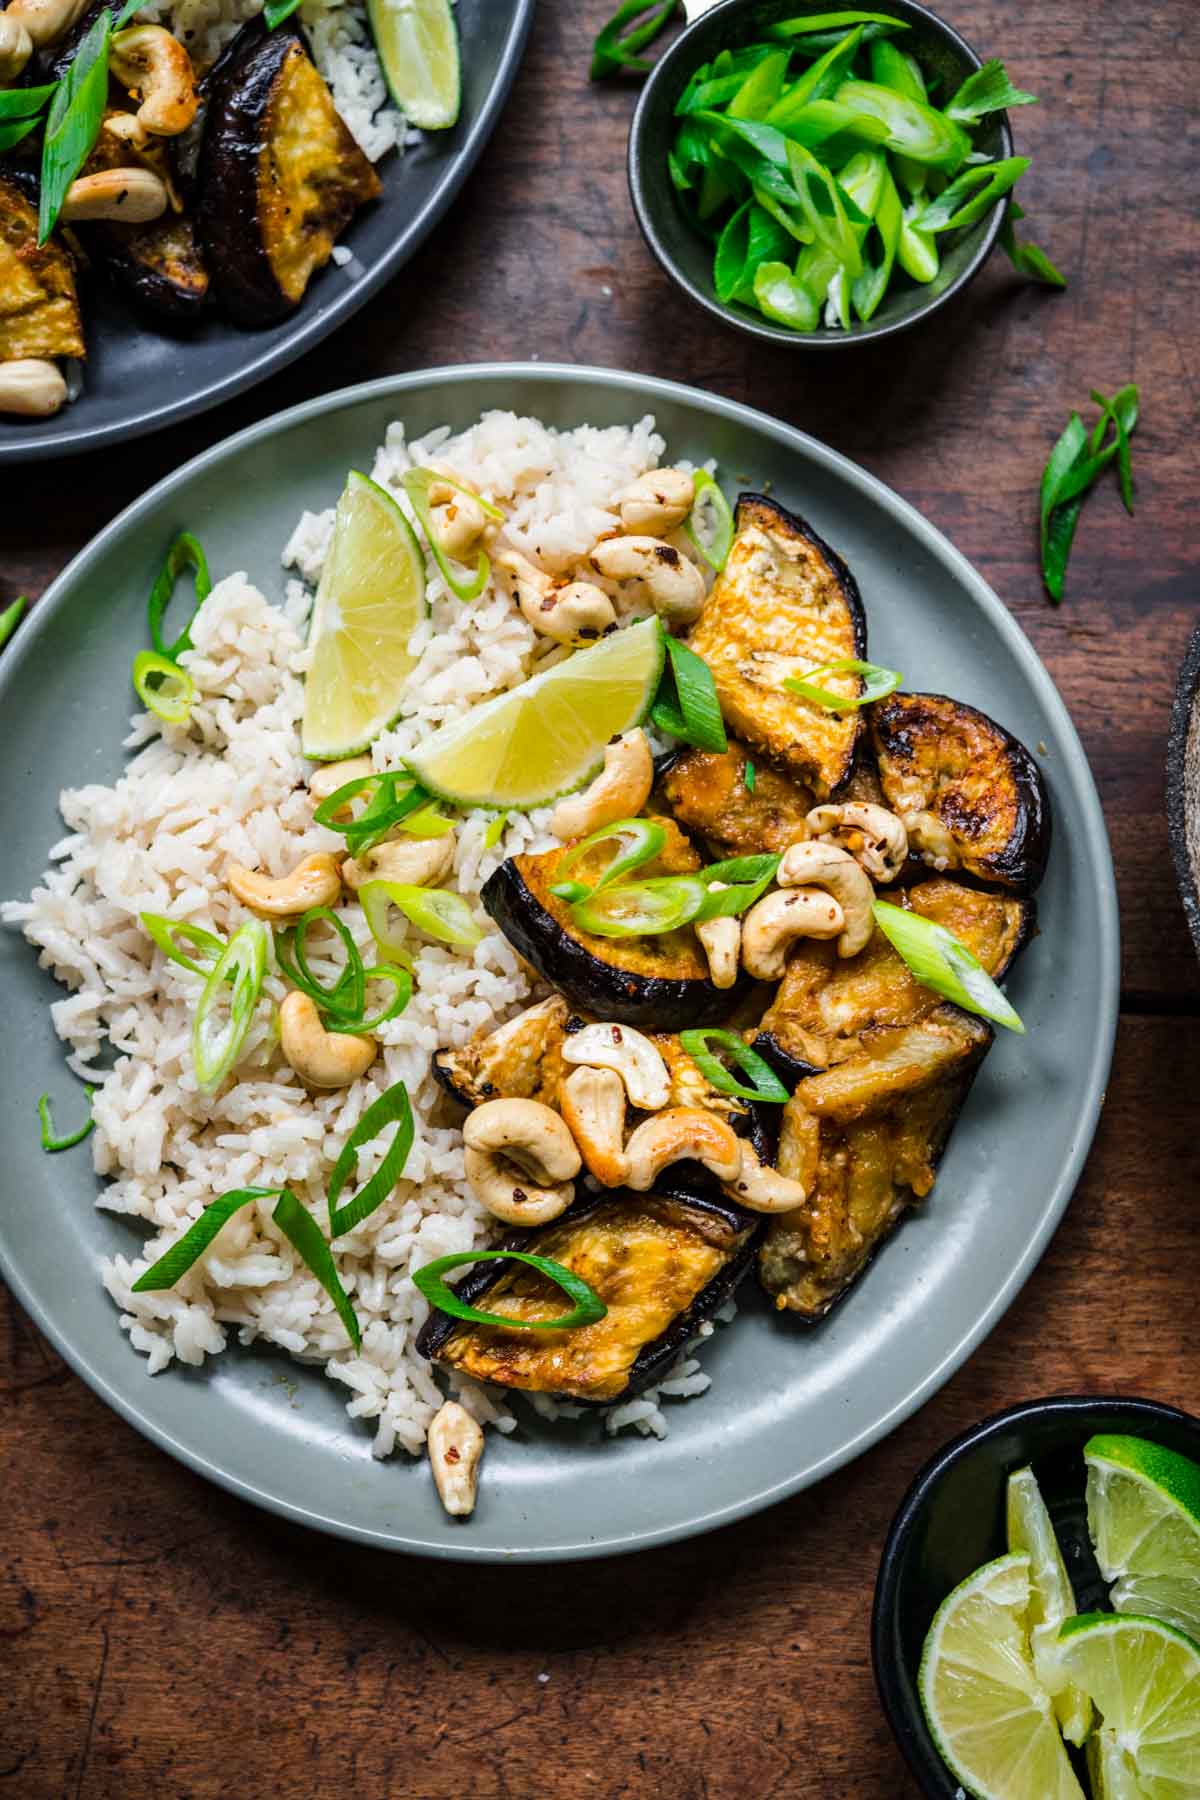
<point>906,1721</point>
<point>825,338</point>
<point>1187,694</point>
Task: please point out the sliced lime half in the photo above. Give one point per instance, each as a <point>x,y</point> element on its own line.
<point>1144,1677</point>
<point>1144,1516</point>
<point>417,44</point>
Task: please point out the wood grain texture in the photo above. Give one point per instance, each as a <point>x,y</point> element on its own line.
<point>161,1639</point>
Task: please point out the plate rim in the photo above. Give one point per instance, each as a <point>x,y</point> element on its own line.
<point>321,322</point>
<point>1094,837</point>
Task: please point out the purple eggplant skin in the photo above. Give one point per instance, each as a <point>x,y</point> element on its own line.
<point>52,61</point>
<point>654,1359</point>
<point>597,987</point>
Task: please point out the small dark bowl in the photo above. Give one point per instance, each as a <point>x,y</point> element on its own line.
<point>952,1520</point>
<point>687,257</point>
<point>1183,786</point>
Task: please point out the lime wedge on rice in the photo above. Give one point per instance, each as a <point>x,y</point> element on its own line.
<point>370,598</point>
<point>1144,1677</point>
<point>1110,1769</point>
<point>1051,1599</point>
<point>417,45</point>
<point>990,1717</point>
<point>1144,1516</point>
<point>547,736</point>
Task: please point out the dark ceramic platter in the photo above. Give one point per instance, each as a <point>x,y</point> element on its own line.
<point>1183,785</point>
<point>138,379</point>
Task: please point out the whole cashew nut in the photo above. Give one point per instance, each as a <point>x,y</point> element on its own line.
<point>593,1105</point>
<point>323,1059</point>
<point>570,612</point>
<point>776,921</point>
<point>673,585</point>
<point>16,47</point>
<point>632,1056</point>
<point>620,790</point>
<point>158,71</point>
<point>721,941</point>
<point>525,1135</point>
<point>44,20</point>
<point>823,865</point>
<point>31,386</point>
<point>872,835</point>
<point>682,1132</point>
<point>455,1445</point>
<point>657,501</point>
<point>412,861</point>
<point>761,1188</point>
<point>317,881</point>
<point>134,196</point>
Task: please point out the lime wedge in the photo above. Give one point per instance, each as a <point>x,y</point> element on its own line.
<point>370,597</point>
<point>1145,1678</point>
<point>1051,1599</point>
<point>990,1717</point>
<point>1144,1517</point>
<point>1110,1769</point>
<point>417,44</point>
<point>548,735</point>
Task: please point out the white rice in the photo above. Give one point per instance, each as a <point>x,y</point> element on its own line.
<point>231,786</point>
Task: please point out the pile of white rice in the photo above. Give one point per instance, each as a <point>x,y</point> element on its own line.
<point>230,785</point>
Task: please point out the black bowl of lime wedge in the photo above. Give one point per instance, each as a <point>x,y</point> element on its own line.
<point>1079,1505</point>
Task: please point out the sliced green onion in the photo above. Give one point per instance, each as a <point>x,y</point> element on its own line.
<point>276,11</point>
<point>1073,466</point>
<point>587,1310</point>
<point>347,996</point>
<point>215,1049</point>
<point>167,933</point>
<point>743,879</point>
<point>809,23</point>
<point>643,839</point>
<point>642,908</point>
<point>428,821</point>
<point>391,1108</point>
<point>915,128</point>
<point>878,683</point>
<point>972,194</point>
<point>825,204</point>
<point>49,1140</point>
<point>767,1085</point>
<point>24,102</point>
<point>435,911</point>
<point>304,1234</point>
<point>10,618</point>
<point>749,778</point>
<point>616,45</point>
<point>14,131</point>
<point>570,890</point>
<point>692,713</point>
<point>176,1261</point>
<point>416,484</point>
<point>73,122</point>
<point>163,687</point>
<point>781,297</point>
<point>1027,259</point>
<point>495,831</point>
<point>185,553</point>
<point>942,962</point>
<point>391,798</point>
<point>988,90</point>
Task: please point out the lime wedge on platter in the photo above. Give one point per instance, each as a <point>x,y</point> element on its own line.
<point>1144,1516</point>
<point>370,598</point>
<point>417,45</point>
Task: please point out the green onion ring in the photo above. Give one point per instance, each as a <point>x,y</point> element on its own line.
<point>416,484</point>
<point>878,683</point>
<point>304,1234</point>
<point>693,713</point>
<point>49,1140</point>
<point>942,962</point>
<point>164,931</point>
<point>435,911</point>
<point>642,908</point>
<point>171,696</point>
<point>391,1108</point>
<point>767,1085</point>
<point>587,1310</point>
<point>402,982</point>
<point>715,545</point>
<point>245,960</point>
<point>744,880</point>
<point>644,838</point>
<point>386,806</point>
<point>185,553</point>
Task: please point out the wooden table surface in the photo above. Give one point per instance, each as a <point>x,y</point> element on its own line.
<point>160,1638</point>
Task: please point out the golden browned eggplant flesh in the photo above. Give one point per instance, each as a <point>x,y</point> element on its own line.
<point>784,604</point>
<point>39,309</point>
<point>736,814</point>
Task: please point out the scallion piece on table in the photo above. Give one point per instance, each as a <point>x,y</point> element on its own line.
<point>616,46</point>
<point>168,934</point>
<point>163,687</point>
<point>588,1307</point>
<point>767,1085</point>
<point>50,1141</point>
<point>435,911</point>
<point>73,122</point>
<point>1027,259</point>
<point>1073,467</point>
<point>878,683</point>
<point>463,585</point>
<point>942,962</point>
<point>710,523</point>
<point>391,1108</point>
<point>642,908</point>
<point>185,553</point>
<point>636,841</point>
<point>233,985</point>
<point>10,618</point>
<point>692,713</point>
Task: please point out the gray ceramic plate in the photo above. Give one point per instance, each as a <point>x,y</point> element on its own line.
<point>787,1405</point>
<point>139,379</point>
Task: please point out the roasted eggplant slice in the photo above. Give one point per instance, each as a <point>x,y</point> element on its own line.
<point>659,982</point>
<point>157,266</point>
<point>662,1267</point>
<point>39,309</point>
<point>882,1119</point>
<point>784,603</point>
<point>970,794</point>
<point>520,1060</point>
<point>280,175</point>
<point>823,1006</point>
<point>708,794</point>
